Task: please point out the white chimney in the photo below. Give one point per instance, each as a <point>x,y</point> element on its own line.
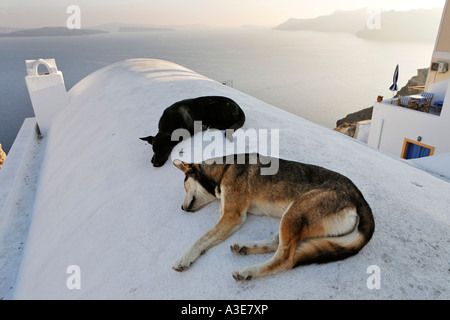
<point>47,92</point>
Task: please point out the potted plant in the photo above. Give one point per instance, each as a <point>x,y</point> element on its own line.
<point>380,98</point>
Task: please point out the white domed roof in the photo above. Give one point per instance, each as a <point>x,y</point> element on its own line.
<point>101,206</point>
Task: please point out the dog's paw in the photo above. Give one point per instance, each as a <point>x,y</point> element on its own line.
<point>238,249</point>
<point>242,274</point>
<point>181,264</point>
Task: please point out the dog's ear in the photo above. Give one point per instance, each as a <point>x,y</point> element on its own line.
<point>185,167</point>
<point>149,139</point>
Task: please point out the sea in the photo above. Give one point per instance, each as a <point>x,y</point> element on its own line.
<point>318,76</point>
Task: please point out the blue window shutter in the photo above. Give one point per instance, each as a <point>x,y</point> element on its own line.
<point>414,151</point>
<point>424,152</point>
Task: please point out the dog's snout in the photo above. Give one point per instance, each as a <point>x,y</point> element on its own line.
<point>189,207</point>
<point>157,161</point>
<point>191,204</point>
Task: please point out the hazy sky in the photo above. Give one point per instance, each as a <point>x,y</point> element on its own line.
<point>39,13</point>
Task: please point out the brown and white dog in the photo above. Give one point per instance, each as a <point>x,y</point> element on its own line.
<point>324,217</point>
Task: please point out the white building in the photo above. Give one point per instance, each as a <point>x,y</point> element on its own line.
<point>409,133</point>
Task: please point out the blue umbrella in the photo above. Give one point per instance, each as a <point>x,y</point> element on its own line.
<point>394,86</point>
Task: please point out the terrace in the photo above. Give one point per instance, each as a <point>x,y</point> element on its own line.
<point>423,102</point>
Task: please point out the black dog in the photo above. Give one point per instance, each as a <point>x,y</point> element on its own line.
<point>213,111</point>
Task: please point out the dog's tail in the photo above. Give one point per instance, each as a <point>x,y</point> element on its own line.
<point>328,249</point>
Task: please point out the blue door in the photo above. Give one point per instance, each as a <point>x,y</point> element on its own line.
<point>414,151</point>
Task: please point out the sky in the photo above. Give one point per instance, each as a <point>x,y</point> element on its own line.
<point>220,13</point>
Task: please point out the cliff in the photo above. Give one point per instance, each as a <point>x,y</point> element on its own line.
<point>411,26</point>
<point>338,21</point>
<point>414,25</point>
<point>417,80</point>
<point>364,114</point>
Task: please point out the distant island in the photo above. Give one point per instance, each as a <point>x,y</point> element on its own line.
<point>129,27</point>
<point>143,29</point>
<point>415,25</point>
<point>338,21</point>
<point>104,28</point>
<point>8,29</point>
<point>51,32</point>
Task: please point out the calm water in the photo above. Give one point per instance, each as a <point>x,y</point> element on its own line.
<point>319,76</point>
